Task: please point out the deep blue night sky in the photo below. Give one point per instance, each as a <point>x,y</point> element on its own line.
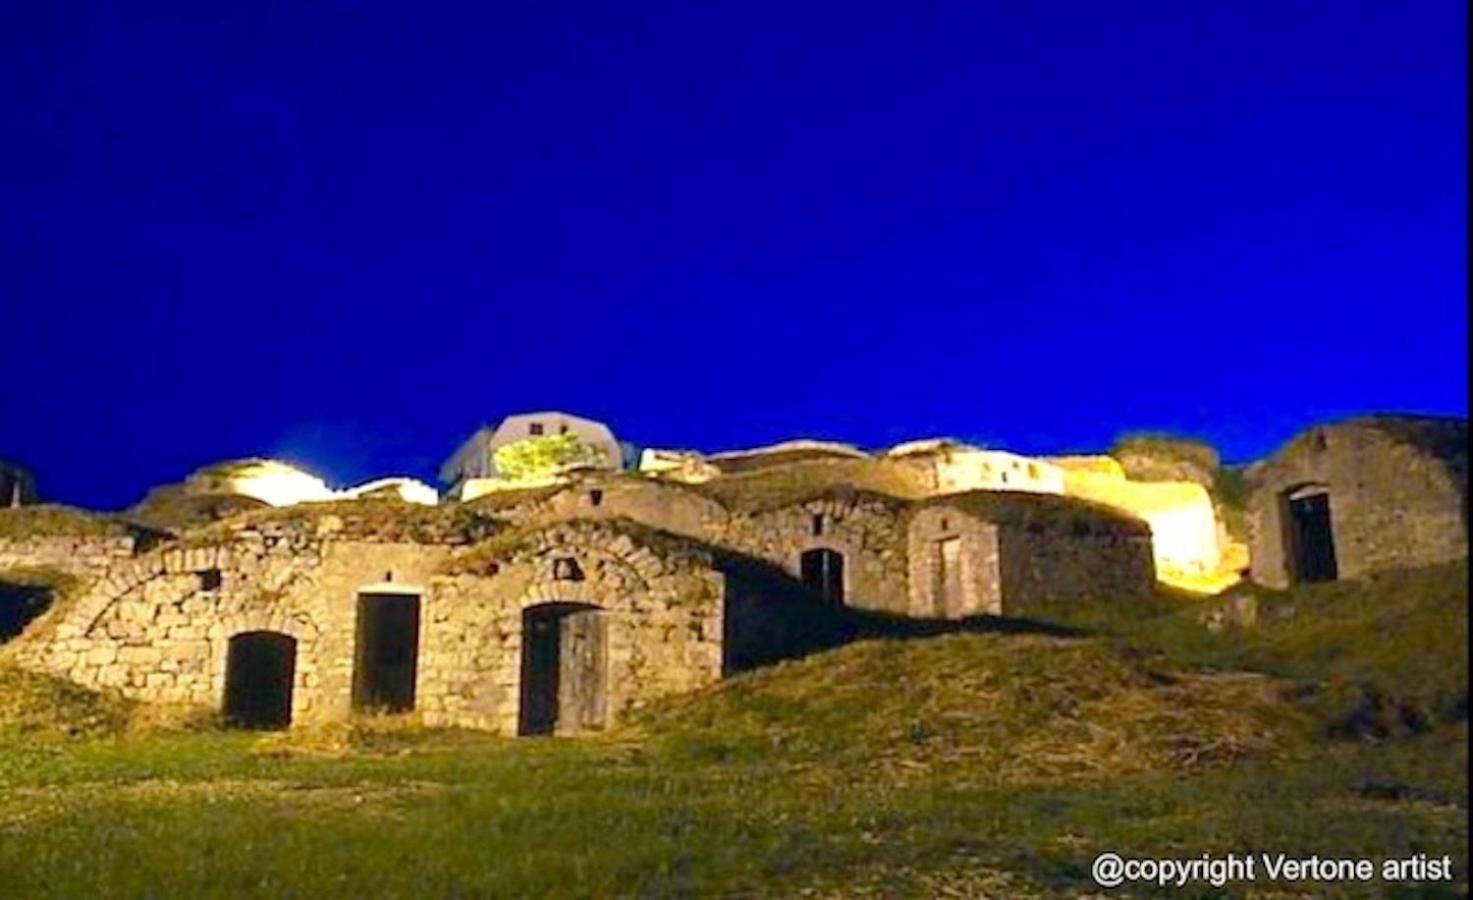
<point>350,233</point>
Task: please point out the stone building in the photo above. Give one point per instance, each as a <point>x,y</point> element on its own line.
<point>736,462</point>
<point>953,467</point>
<point>473,459</point>
<point>553,609</point>
<point>1001,553</point>
<point>1346,499</point>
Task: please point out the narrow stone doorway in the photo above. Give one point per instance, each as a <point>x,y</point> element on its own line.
<point>260,667</point>
<point>822,571</point>
<point>1311,538</point>
<point>948,577</point>
<point>564,669</point>
<point>388,652</point>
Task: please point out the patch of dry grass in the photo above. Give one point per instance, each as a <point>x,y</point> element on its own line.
<point>32,704</point>
<point>987,709</point>
<point>50,520</point>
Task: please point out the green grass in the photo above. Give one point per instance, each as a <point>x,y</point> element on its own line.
<point>446,814</point>
<point>1385,654</point>
<point>51,520</point>
<point>966,765</point>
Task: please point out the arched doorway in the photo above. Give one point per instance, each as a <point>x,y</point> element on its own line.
<point>564,669</point>
<point>387,661</point>
<point>260,667</point>
<point>1309,537</point>
<point>822,571</point>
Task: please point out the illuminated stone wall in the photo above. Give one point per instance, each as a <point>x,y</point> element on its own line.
<point>1185,530</point>
<point>158,627</point>
<point>976,587</point>
<point>955,468</point>
<point>867,529</point>
<point>65,540</point>
<point>1017,550</point>
<point>1397,495</point>
<point>660,504</point>
<point>71,554</point>
<point>662,600</point>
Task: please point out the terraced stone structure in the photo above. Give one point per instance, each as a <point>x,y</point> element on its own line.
<point>1355,497</point>
<point>551,610</point>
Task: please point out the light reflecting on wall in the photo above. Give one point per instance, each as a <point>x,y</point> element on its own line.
<point>282,484</point>
<point>277,483</point>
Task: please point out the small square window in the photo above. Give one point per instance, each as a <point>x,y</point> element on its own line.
<point>209,580</point>
<point>534,428</point>
<point>595,497</point>
<point>566,569</point>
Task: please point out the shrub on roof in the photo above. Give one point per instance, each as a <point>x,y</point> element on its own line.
<point>546,455</point>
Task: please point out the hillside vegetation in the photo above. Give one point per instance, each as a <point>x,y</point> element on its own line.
<point>965,765</point>
<point>1383,654</point>
<point>990,708</point>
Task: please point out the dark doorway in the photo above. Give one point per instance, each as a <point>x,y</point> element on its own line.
<point>823,573</point>
<point>564,660</point>
<point>388,652</point>
<point>260,667</point>
<point>1311,540</point>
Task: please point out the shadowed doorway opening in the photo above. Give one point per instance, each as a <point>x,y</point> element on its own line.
<point>388,652</point>
<point>260,667</point>
<point>1310,535</point>
<point>822,571</point>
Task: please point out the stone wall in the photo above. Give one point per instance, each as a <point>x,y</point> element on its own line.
<point>159,627</point>
<point>66,540</point>
<point>1091,558</point>
<point>662,601</point>
<point>1183,521</point>
<point>659,504</point>
<point>79,555</point>
<point>867,529</point>
<point>1018,550</point>
<point>1397,492</point>
<point>949,468</point>
<point>953,580</point>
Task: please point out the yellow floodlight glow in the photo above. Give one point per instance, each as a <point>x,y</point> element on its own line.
<point>1183,522</point>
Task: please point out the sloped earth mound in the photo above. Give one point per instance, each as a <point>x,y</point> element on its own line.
<point>985,709</point>
<point>34,704</point>
<point>1385,655</point>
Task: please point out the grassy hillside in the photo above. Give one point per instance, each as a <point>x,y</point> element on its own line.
<point>34,705</point>
<point>1384,654</point>
<point>984,708</point>
<point>968,765</point>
